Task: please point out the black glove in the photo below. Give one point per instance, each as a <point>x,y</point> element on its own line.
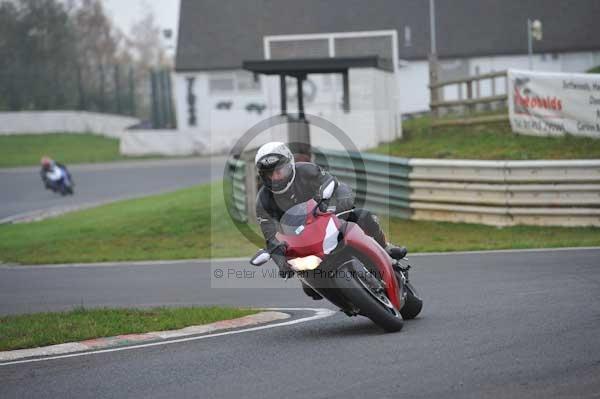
<point>278,256</point>
<point>323,206</point>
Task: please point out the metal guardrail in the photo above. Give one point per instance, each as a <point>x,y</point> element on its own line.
<point>500,193</point>
<point>238,196</point>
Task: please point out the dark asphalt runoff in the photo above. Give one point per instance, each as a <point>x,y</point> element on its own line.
<point>494,325</point>
<point>22,189</point>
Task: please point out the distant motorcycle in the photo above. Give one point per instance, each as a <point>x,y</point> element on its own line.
<point>58,179</point>
<point>338,261</point>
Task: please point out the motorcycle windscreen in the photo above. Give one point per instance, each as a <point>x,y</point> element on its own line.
<point>294,219</point>
<point>306,234</point>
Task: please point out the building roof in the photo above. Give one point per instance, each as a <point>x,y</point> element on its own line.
<point>316,65</point>
<point>215,34</point>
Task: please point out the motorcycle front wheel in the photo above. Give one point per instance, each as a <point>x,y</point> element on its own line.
<point>365,292</point>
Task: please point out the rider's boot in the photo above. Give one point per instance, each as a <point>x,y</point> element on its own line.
<point>369,222</point>
<point>395,252</point>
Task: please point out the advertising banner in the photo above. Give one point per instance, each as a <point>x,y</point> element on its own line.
<point>554,104</point>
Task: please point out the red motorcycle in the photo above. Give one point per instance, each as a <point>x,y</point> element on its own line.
<point>338,261</point>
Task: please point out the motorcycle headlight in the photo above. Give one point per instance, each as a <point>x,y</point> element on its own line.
<point>306,263</point>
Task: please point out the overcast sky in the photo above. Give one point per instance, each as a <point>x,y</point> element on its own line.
<point>126,12</point>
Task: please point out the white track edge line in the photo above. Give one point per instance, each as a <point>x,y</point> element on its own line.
<point>320,313</point>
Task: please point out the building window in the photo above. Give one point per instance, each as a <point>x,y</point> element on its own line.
<point>407,37</point>
<point>238,81</point>
<point>221,83</point>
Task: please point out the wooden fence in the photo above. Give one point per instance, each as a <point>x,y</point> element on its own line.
<point>468,104</point>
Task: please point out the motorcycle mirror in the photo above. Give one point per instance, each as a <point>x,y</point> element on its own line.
<point>260,258</point>
<point>328,190</point>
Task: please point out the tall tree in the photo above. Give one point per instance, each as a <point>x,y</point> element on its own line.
<point>37,45</point>
<point>97,54</point>
<point>145,41</point>
<point>97,41</point>
<point>145,47</point>
<point>9,64</point>
<point>67,54</point>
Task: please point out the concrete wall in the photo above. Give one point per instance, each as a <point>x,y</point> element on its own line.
<point>43,122</point>
<point>160,142</point>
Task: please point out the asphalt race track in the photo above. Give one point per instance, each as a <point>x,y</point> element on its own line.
<point>23,192</point>
<point>494,325</point>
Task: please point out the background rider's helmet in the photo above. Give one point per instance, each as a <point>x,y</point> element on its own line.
<point>276,166</point>
<point>46,162</point>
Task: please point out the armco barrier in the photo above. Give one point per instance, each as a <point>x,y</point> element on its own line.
<point>500,193</point>
<point>236,176</point>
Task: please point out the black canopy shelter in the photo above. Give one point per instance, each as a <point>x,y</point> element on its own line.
<point>299,68</point>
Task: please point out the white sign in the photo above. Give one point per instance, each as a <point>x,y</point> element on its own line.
<point>549,104</point>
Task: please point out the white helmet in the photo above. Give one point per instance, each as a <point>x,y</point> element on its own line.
<point>276,156</point>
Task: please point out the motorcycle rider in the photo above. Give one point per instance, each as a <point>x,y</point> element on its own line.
<point>287,183</point>
<point>53,172</point>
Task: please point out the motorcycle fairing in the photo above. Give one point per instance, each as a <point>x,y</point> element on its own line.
<point>311,239</point>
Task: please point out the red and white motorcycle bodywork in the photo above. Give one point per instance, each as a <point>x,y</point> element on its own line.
<point>337,260</point>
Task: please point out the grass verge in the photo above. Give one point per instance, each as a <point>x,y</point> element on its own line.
<point>189,223</point>
<point>42,329</point>
<point>27,149</point>
<point>490,141</point>
<point>426,236</point>
<point>193,223</point>
<point>594,70</point>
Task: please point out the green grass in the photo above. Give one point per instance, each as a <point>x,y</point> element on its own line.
<point>42,329</point>
<point>487,141</point>
<point>193,223</point>
<point>25,150</point>
<point>594,70</point>
<point>190,223</point>
<point>426,236</point>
